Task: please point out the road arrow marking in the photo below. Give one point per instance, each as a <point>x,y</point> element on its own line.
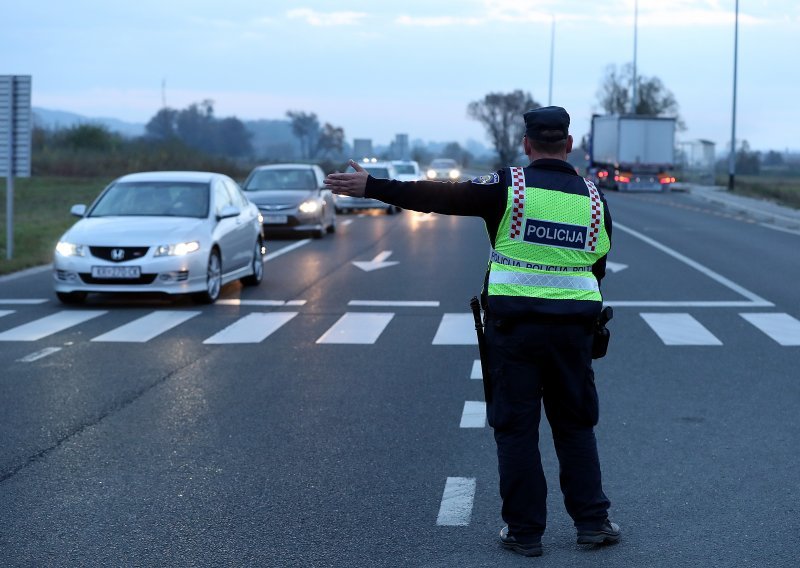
<point>615,266</point>
<point>378,262</point>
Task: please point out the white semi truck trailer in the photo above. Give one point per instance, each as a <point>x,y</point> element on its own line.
<point>632,152</point>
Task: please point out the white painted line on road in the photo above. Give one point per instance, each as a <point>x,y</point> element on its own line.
<point>457,499</point>
<point>474,414</point>
<point>252,328</point>
<point>394,304</point>
<point>49,325</point>
<point>238,302</point>
<point>754,298</point>
<point>781,229</point>
<point>456,329</point>
<point>26,272</point>
<point>39,354</point>
<point>147,327</point>
<point>357,328</point>
<point>6,312</point>
<point>286,249</point>
<point>24,301</point>
<point>682,304</point>
<point>345,222</point>
<point>477,371</point>
<point>679,329</point>
<point>296,302</point>
<point>783,328</point>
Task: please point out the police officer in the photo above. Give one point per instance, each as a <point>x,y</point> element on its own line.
<point>550,231</point>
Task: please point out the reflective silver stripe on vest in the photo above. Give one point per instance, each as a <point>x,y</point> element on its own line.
<point>544,280</point>
<point>500,258</point>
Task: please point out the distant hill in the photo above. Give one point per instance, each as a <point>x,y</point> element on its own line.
<point>55,119</point>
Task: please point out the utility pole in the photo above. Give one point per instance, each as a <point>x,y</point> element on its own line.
<point>732,157</point>
<point>552,51</point>
<point>635,41</point>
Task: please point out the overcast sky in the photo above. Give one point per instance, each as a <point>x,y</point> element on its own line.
<point>381,68</point>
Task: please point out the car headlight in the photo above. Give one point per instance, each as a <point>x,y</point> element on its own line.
<point>454,174</point>
<point>70,249</point>
<point>309,207</point>
<point>431,174</point>
<point>179,249</point>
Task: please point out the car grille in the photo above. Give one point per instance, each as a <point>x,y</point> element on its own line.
<point>118,254</point>
<point>273,208</point>
<point>144,279</point>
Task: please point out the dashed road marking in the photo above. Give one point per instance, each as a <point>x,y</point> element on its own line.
<point>41,354</point>
<point>252,328</point>
<point>147,327</point>
<point>474,414</point>
<point>457,499</point>
<point>49,325</point>
<point>357,328</point>
<point>456,329</point>
<point>477,371</point>
<point>679,329</point>
<point>783,328</point>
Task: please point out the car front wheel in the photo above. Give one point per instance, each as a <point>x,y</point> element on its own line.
<point>213,280</point>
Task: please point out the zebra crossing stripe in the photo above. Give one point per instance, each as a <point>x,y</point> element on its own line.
<point>456,329</point>
<point>357,328</point>
<point>679,329</point>
<point>474,414</point>
<point>477,371</point>
<point>49,325</point>
<point>783,328</point>
<point>5,312</point>
<point>252,328</point>
<point>457,498</point>
<point>146,328</point>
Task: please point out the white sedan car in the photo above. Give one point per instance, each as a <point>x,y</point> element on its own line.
<point>444,169</point>
<point>167,232</point>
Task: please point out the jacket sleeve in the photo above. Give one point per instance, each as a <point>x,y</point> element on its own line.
<point>462,198</point>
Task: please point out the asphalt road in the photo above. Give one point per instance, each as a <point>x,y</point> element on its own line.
<point>301,424</point>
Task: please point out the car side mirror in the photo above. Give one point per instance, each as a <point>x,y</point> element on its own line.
<point>228,211</point>
<point>78,210</point>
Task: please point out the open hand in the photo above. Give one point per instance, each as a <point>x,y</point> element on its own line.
<point>352,184</point>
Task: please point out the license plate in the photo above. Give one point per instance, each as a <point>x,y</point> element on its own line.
<point>115,272</point>
<point>276,219</point>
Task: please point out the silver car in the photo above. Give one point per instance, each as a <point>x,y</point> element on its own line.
<point>383,170</point>
<point>292,197</point>
<point>168,232</point>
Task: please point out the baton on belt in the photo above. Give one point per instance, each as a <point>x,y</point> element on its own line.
<point>487,379</point>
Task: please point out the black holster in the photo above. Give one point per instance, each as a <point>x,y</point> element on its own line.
<point>601,335</point>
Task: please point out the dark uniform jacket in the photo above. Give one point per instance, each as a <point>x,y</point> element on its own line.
<point>486,197</point>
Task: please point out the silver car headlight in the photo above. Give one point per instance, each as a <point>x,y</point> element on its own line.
<point>431,174</point>
<point>70,249</point>
<point>454,174</point>
<point>179,249</point>
<point>309,207</point>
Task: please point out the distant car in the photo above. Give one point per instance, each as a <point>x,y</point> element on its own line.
<point>168,232</point>
<point>443,169</point>
<point>384,170</point>
<point>407,170</point>
<point>292,197</point>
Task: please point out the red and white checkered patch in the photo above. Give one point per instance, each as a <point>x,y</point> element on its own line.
<point>518,208</point>
<point>596,217</point>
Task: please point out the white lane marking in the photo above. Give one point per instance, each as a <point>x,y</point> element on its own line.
<point>781,229</point>
<point>5,312</point>
<point>457,498</point>
<point>41,354</point>
<point>679,329</point>
<point>754,298</point>
<point>24,302</point>
<point>615,266</point>
<point>477,371</point>
<point>783,328</point>
<point>394,304</point>
<point>252,328</point>
<point>474,414</point>
<point>296,302</point>
<point>49,325</point>
<point>376,263</point>
<point>684,304</point>
<point>286,249</point>
<point>238,302</point>
<point>345,222</point>
<point>147,327</point>
<point>456,329</point>
<point>357,328</point>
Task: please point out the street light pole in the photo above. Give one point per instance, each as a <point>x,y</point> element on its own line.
<point>552,51</point>
<point>732,157</point>
<point>635,41</point>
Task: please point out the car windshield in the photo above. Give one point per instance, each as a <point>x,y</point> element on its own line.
<point>443,164</point>
<point>153,198</point>
<point>284,178</point>
<point>378,172</point>
<point>405,169</point>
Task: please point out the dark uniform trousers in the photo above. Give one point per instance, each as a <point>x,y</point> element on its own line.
<point>531,362</point>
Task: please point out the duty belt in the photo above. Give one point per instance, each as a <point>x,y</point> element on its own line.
<point>544,280</point>
<point>500,258</point>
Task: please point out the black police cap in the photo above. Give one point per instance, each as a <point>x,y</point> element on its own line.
<point>547,124</point>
